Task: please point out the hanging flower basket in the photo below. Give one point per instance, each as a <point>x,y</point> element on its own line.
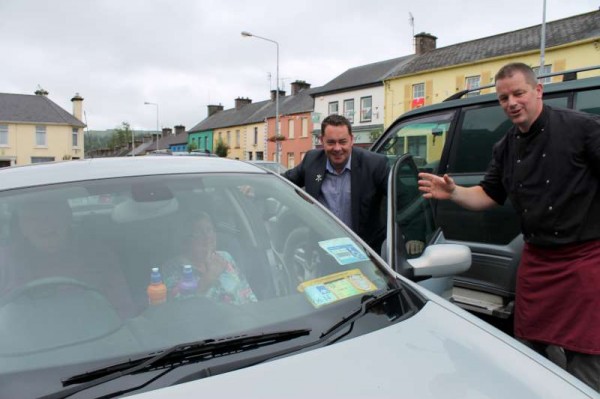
<point>276,138</point>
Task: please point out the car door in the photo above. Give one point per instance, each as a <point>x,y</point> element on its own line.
<point>412,229</point>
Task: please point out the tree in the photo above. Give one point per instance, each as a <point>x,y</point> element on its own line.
<point>222,148</point>
<point>121,137</point>
<point>374,134</point>
<point>192,146</point>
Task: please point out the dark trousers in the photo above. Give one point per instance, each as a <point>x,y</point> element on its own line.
<point>584,366</point>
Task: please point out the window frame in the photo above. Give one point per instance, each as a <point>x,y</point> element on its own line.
<point>349,111</point>
<point>41,133</point>
<point>364,111</point>
<point>331,105</point>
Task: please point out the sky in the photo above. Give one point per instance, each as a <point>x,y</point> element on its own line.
<point>186,54</point>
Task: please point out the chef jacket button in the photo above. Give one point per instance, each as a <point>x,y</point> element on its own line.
<point>518,161</point>
<point>544,155</point>
<point>550,208</point>
<point>547,181</point>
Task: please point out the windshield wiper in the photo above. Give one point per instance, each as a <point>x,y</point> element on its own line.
<point>175,356</point>
<point>368,302</point>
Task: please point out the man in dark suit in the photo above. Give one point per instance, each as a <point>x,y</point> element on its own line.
<point>350,181</point>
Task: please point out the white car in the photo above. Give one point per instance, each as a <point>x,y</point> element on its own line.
<point>162,277</point>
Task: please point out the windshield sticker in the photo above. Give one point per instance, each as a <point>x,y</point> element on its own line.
<point>335,287</point>
<point>344,250</point>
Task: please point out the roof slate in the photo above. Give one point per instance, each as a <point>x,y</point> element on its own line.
<point>257,112</point>
<point>364,75</point>
<point>567,30</point>
<point>26,108</point>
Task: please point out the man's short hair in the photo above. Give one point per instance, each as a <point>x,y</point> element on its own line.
<point>336,120</point>
<point>509,70</point>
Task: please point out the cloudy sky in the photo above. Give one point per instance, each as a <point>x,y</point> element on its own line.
<point>186,54</point>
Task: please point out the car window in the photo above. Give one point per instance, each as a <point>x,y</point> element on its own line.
<point>423,138</point>
<point>587,101</point>
<point>478,130</point>
<point>413,213</point>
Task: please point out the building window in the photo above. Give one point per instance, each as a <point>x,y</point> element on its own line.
<point>255,136</point>
<point>40,136</point>
<point>41,159</point>
<point>349,110</point>
<point>333,108</point>
<point>237,139</point>
<point>291,133</point>
<point>228,137</point>
<point>417,146</point>
<point>249,155</point>
<point>259,155</point>
<point>74,137</point>
<point>304,127</point>
<point>3,135</point>
<point>290,160</point>
<point>472,82</point>
<point>302,154</point>
<point>418,95</point>
<point>366,109</point>
<point>546,69</point>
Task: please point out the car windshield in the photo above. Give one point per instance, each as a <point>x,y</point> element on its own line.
<point>84,267</point>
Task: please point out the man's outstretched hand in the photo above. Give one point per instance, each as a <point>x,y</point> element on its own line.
<point>436,187</point>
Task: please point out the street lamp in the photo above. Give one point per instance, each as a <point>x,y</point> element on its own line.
<point>277,141</point>
<point>157,132</point>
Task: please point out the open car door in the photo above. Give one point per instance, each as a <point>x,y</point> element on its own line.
<point>415,245</point>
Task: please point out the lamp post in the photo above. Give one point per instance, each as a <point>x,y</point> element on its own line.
<point>277,141</point>
<point>157,131</point>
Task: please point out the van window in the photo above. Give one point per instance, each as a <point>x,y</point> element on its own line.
<point>587,101</point>
<point>479,129</point>
<point>424,138</point>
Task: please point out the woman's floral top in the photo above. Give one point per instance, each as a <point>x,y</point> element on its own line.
<point>230,287</point>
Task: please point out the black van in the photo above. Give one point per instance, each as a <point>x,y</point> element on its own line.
<point>456,137</point>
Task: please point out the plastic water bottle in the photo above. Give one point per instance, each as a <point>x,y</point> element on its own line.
<point>157,290</point>
<point>188,285</point>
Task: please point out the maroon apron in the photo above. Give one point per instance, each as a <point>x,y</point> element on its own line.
<point>558,296</point>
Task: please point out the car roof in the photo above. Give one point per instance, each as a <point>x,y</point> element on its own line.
<point>106,168</point>
<point>491,97</point>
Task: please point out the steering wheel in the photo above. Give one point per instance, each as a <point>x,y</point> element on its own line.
<point>299,257</point>
<point>40,316</point>
<point>46,286</point>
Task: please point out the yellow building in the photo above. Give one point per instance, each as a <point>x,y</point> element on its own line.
<point>434,74</point>
<point>35,129</point>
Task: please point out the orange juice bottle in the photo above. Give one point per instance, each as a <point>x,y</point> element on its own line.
<point>157,290</point>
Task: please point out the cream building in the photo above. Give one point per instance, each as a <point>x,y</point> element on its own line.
<point>434,74</point>
<point>35,129</point>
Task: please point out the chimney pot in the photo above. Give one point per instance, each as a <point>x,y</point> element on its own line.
<point>240,102</point>
<point>424,42</point>
<point>213,109</point>
<point>298,86</point>
<point>281,94</point>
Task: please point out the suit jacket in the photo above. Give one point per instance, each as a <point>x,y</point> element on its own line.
<point>368,185</point>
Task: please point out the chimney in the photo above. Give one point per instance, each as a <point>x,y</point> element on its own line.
<point>77,101</point>
<point>298,86</point>
<point>424,43</point>
<point>179,129</point>
<point>41,92</point>
<point>281,94</point>
<point>213,109</point>
<point>167,131</point>
<point>240,102</point>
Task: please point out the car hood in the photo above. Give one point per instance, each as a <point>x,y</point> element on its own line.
<point>439,353</point>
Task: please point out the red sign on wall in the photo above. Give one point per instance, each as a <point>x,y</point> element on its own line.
<point>418,102</point>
